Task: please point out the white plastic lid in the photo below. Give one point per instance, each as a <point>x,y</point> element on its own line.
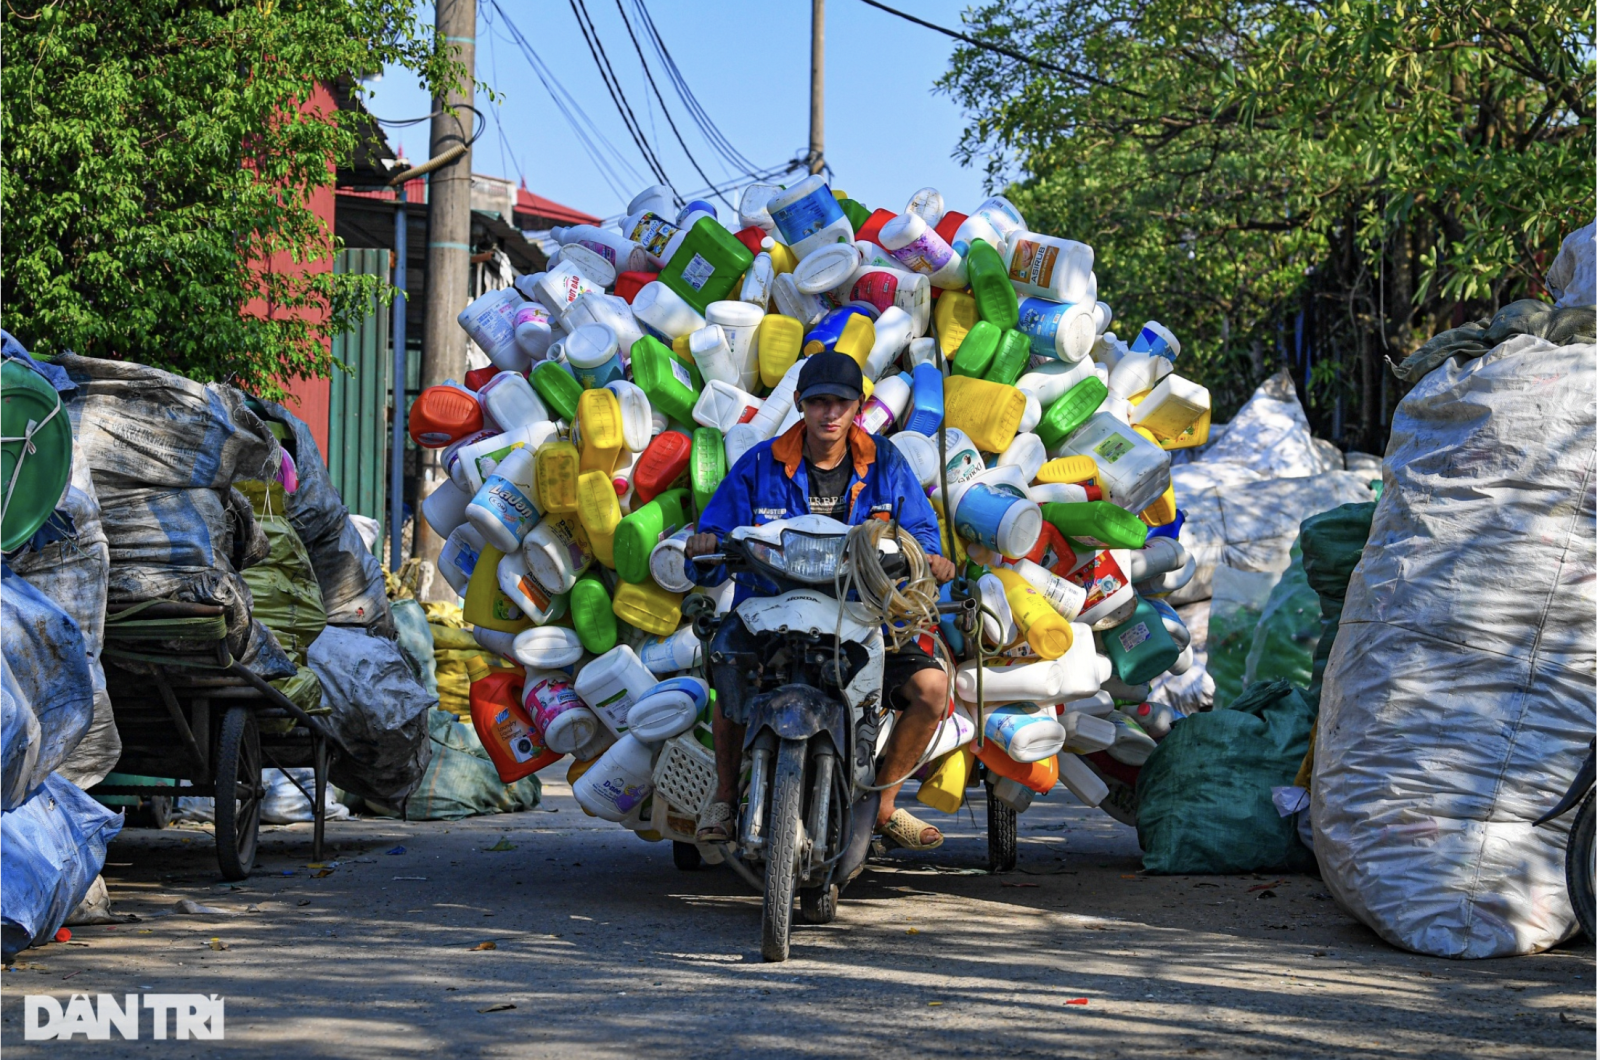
<point>590,346</point>
<point>826,268</point>
<point>734,314</point>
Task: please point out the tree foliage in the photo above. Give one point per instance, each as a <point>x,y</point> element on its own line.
<point>156,150</point>
<point>1318,181</point>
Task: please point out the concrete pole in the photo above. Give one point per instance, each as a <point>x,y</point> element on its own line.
<point>444,344</point>
<point>814,156</point>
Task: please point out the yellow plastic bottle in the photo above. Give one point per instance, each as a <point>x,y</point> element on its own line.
<point>948,535</point>
<point>1049,635</point>
<point>783,259</point>
<point>599,511</point>
<point>599,429</point>
<point>778,342</point>
<point>857,339</point>
<point>946,786</point>
<point>989,413</point>
<point>1197,433</point>
<point>953,316</point>
<point>680,347</point>
<point>1162,510</point>
<point>1068,469</point>
<point>556,470</point>
<point>648,606</point>
<point>486,605</point>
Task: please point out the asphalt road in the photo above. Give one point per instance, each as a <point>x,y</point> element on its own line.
<point>602,949</point>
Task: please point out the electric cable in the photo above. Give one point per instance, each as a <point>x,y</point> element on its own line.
<point>708,128</point>
<point>614,88</point>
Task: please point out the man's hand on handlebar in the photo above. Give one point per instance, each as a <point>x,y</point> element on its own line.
<point>700,545</point>
<point>943,569</point>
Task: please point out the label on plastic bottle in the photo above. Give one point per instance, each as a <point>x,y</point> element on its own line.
<point>533,313</point>
<point>1133,637</point>
<point>876,288</point>
<point>553,699</point>
<point>807,215</point>
<point>1040,325</point>
<point>508,504</point>
<point>516,737</point>
<point>1100,580</point>
<point>927,253</point>
<point>600,249</point>
<point>1114,448</point>
<point>653,234</point>
<point>614,709</point>
<point>1032,262</point>
<point>466,559</point>
<point>680,371</point>
<point>533,593</point>
<point>697,272</point>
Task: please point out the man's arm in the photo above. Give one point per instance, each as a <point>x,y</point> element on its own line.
<point>731,506</point>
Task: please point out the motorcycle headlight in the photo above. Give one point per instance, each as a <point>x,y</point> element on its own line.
<point>803,557</point>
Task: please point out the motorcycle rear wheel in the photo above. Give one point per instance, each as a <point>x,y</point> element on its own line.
<point>783,836</point>
<point>819,905</point>
<point>1580,865</point>
<point>1002,832</point>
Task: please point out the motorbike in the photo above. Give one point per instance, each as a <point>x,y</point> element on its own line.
<point>1580,842</point>
<point>802,669</point>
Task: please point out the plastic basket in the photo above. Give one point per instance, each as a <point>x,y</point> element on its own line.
<point>685,777</point>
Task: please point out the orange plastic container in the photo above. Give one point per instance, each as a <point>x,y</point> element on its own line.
<point>515,747</point>
<point>1040,776</point>
<point>663,464</point>
<point>443,414</point>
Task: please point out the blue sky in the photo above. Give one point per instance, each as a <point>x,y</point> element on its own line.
<point>748,62</point>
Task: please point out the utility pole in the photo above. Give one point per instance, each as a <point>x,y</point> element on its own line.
<point>444,344</point>
<point>814,156</point>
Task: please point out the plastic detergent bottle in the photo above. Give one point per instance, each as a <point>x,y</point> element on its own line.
<point>740,323</point>
<point>606,309</point>
<point>495,642</point>
<point>668,709</point>
<point>663,465</point>
<point>711,352</point>
<point>445,508</point>
<point>1136,372</point>
<point>673,652</point>
<point>962,459</point>
<point>509,400</point>
<point>478,460</point>
<point>557,711</point>
<point>1162,510</point>
<point>532,330</point>
<point>946,783</point>
<point>665,313</point>
<point>557,551</point>
<point>993,221</point>
<point>556,289</point>
<point>1087,733</point>
<point>592,617</point>
<point>592,356</point>
<point>491,322</point>
<point>927,401</point>
<point>722,405</point>
<point>953,317</point>
<point>672,386</point>
<point>826,268</point>
<point>590,266</point>
<point>655,233</point>
<point>880,412</point>
<point>890,334</point>
<point>557,388</point>
<point>504,509</point>
<point>1048,633</point>
<point>1173,407</point>
<point>991,287</point>
<point>1133,470</point>
<point>753,206</point>
<point>547,647</point>
<point>1099,524</point>
<point>987,412</point>
<point>622,253</point>
<point>525,591</point>
<point>618,782</point>
<point>993,510</point>
<point>1039,776</point>
<point>1156,340</point>
<point>504,728</point>
<point>774,408</point>
<point>1157,556</point>
<point>1010,359</point>
<point>639,532</point>
<point>1084,783</point>
<point>1056,329</point>
<point>1050,267</point>
<point>916,245</point>
<point>648,606</point>
<point>600,514</point>
<point>1065,596</point>
<point>1071,411</point>
<point>999,627</point>
<point>706,265</point>
<point>443,414</point>
<point>599,425</point>
<point>637,421</point>
<point>612,683</point>
<point>1067,469</point>
<point>789,300</point>
<point>1011,681</point>
<point>808,217</point>
<point>883,286</point>
<point>1026,454</point>
<point>1140,648</point>
<point>708,466</point>
<point>1106,585</point>
<point>556,470</point>
<point>486,605</point>
<point>629,284</point>
<point>1049,380</point>
<point>1154,718</point>
<point>459,557</point>
<point>977,350</point>
<point>758,279</point>
<point>778,342</point>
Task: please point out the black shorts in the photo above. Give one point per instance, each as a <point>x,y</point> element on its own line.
<point>901,666</point>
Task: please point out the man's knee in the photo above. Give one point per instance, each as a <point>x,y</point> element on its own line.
<point>927,691</point>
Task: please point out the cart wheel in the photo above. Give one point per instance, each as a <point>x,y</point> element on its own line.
<point>1002,833</point>
<point>238,764</point>
<point>160,810</point>
<point>686,856</point>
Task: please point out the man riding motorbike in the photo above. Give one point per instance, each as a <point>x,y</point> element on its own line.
<point>825,465</point>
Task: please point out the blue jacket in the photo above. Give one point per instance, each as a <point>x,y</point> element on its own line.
<point>769,483</point>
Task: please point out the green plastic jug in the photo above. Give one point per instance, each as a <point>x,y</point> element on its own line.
<point>991,287</point>
<point>1140,649</point>
<point>558,388</point>
<point>640,530</point>
<point>1011,360</point>
<point>708,465</point>
<point>1097,523</point>
<point>977,350</point>
<point>671,385</point>
<point>591,616</point>
<point>1070,411</point>
<point>706,265</point>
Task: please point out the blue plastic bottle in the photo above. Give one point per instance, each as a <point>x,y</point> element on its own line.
<point>927,400</point>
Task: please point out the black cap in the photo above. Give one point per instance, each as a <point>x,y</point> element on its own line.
<point>829,373</point>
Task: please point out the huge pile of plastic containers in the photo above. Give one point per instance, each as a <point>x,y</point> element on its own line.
<point>633,373</point>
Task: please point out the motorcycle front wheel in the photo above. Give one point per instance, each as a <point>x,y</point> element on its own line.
<point>1580,866</point>
<point>783,839</point>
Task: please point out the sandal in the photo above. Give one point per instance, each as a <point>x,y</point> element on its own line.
<point>905,831</point>
<point>715,824</point>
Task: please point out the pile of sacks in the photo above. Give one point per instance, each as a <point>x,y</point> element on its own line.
<point>647,359</point>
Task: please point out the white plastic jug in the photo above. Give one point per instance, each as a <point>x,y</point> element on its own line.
<point>510,402</point>
<point>919,248</point>
<point>999,627</point>
<point>1158,556</point>
<point>1032,413</point>
<point>892,332</point>
<point>623,253</point>
<point>880,412</point>
<point>1051,380</point>
<point>739,322</point>
<point>491,321</point>
<point>927,204</point>
<point>1017,796</point>
<point>1106,584</point>
<point>826,268</point>
<point>524,590</point>
<point>557,551</point>
<point>557,711</point>
<point>1081,780</point>
<point>713,354</point>
<point>662,310</point>
<point>757,286</point>
<point>459,557</point>
<point>740,439</point>
<point>556,289</point>
<point>1087,733</point>
<point>963,462</point>
<point>667,709</point>
<point>1133,471</point>
<point>1026,732</point>
<point>776,406</point>
<point>922,453</point>
<point>1137,371</point>
<point>671,653</point>
<point>533,331</point>
<point>808,216</point>
<point>922,351</point>
<point>721,405</point>
<point>496,642</point>
<point>993,509</point>
<point>1100,705</point>
<point>666,565</point>
<point>1065,596</point>
<point>505,507</point>
<point>615,785</point>
<point>613,682</point>
<point>657,198</point>
<point>445,508</point>
<point>882,286</point>
<point>590,265</point>
<point>659,236</point>
<point>1051,267</point>
<point>638,421</point>
<point>1011,681</point>
<point>593,356</point>
<point>993,221</point>
<point>753,212</point>
<point>476,462</point>
<point>1026,454</point>
<point>793,302</point>
<point>547,647</point>
<point>609,310</point>
<point>955,731</point>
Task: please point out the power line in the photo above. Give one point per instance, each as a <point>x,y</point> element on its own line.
<point>665,112</point>
<point>608,75</point>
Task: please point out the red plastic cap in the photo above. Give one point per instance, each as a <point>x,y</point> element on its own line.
<point>443,414</point>
<point>631,283</point>
<point>479,376</point>
<point>751,238</point>
<point>874,224</point>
